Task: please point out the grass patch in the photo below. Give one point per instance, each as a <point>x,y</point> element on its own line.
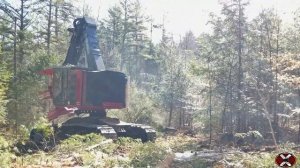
<point>179,143</point>
<point>5,154</point>
<point>147,154</point>
<point>76,142</point>
<point>128,152</point>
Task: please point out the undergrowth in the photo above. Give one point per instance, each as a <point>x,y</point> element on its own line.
<point>91,151</point>
<point>5,154</point>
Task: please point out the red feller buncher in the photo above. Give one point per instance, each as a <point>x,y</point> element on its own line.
<point>83,89</point>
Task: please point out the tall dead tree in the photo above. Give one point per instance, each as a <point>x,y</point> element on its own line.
<point>240,126</point>
<point>49,28</point>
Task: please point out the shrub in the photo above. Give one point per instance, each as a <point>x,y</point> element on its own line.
<point>45,129</point>
<point>76,141</point>
<point>5,155</point>
<point>147,154</point>
<point>5,159</point>
<point>249,138</point>
<point>3,143</point>
<point>127,140</point>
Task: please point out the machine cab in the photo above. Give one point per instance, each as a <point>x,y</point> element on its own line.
<point>78,87</point>
<point>64,83</point>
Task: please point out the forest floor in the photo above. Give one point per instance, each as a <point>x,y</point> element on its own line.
<point>168,151</point>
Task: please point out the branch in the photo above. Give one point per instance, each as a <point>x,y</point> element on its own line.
<point>97,145</point>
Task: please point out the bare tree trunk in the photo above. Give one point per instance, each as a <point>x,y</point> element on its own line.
<point>210,105</point>
<point>15,69</point>
<point>171,111</point>
<point>114,34</point>
<point>225,102</point>
<point>264,102</point>
<point>56,19</point>
<point>136,59</point>
<point>240,74</point>
<point>22,27</point>
<point>299,127</point>
<point>180,119</point>
<point>275,117</point>
<point>299,115</point>
<point>125,31</point>
<point>15,49</point>
<point>49,28</point>
<point>270,124</point>
<point>172,97</point>
<point>240,125</point>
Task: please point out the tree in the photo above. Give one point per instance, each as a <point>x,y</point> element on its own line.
<point>174,84</point>
<point>188,42</point>
<point>235,22</point>
<point>127,7</point>
<point>24,103</point>
<point>4,79</point>
<point>54,15</point>
<point>225,49</point>
<point>22,13</point>
<point>139,41</point>
<point>289,68</point>
<point>265,49</point>
<point>111,38</point>
<point>64,14</point>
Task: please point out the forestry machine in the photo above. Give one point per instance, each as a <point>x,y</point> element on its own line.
<point>83,89</point>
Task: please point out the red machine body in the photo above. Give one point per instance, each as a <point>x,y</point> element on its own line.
<point>76,90</point>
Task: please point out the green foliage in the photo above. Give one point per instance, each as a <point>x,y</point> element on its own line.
<point>288,66</point>
<point>3,143</point>
<point>45,129</point>
<point>127,140</point>
<point>5,155</point>
<point>78,141</point>
<point>109,149</point>
<point>5,159</point>
<point>240,135</point>
<point>27,108</point>
<point>249,138</point>
<point>123,152</point>
<point>26,105</point>
<point>141,108</point>
<point>255,134</point>
<point>5,76</point>
<point>179,143</point>
<point>215,119</point>
<point>23,133</point>
<point>260,160</point>
<point>148,154</point>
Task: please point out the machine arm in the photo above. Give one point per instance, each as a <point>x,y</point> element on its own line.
<point>84,48</point>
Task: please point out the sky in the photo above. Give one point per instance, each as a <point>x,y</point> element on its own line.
<point>184,15</point>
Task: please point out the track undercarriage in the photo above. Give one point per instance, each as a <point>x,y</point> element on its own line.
<point>108,127</point>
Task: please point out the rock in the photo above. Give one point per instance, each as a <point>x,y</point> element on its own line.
<point>205,158</point>
<point>227,164</point>
<point>16,151</point>
<point>204,155</point>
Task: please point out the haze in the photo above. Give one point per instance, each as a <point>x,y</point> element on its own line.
<point>183,15</point>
